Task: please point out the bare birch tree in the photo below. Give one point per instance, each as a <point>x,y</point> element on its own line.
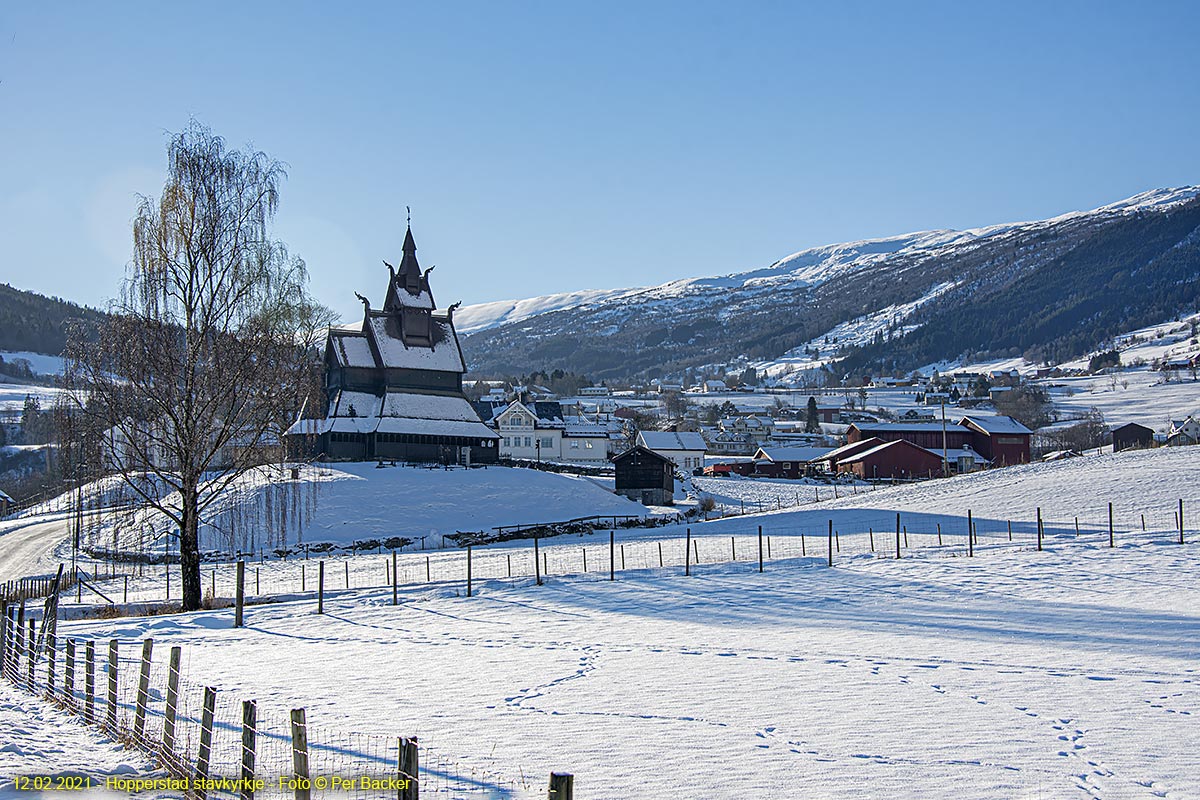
<point>208,350</point>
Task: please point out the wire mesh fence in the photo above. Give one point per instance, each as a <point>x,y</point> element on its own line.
<point>604,554</point>
<point>210,742</point>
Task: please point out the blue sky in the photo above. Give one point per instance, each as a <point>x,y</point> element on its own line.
<point>547,147</point>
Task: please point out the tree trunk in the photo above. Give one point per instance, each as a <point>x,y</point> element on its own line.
<point>189,549</point>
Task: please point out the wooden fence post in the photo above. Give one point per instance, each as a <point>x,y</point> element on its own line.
<point>660,553</point>
<point>303,581</point>
<point>3,627</point>
<point>257,590</point>
<point>112,685</point>
<point>760,549</point>
<point>69,674</point>
<point>204,752</point>
<point>831,543</point>
<point>1181,520</point>
<point>31,645</point>
<point>346,564</point>
<point>612,555</point>
<point>395,584</point>
<point>970,535</point>
<point>585,560</point>
<point>871,533</point>
<point>468,570</point>
<point>897,535</point>
<point>171,711</point>
<point>51,658</point>
<point>321,587</point>
<point>240,600</point>
<point>1010,530</point>
<point>300,753</point>
<point>687,553</point>
<point>732,549</point>
<point>1111,540</point>
<point>562,786</point>
<point>409,769</point>
<point>143,692</point>
<point>249,731</point>
<point>537,563</point>
<point>89,686</point>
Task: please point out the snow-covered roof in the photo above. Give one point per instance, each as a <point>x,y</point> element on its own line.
<point>401,297</point>
<point>778,454</point>
<point>867,427</point>
<point>444,356</point>
<point>5,497</point>
<point>672,440</point>
<point>352,350</point>
<point>435,427</point>
<point>955,453</point>
<point>428,406</point>
<point>1000,425</point>
<point>354,404</point>
<point>881,447</point>
<point>852,447</point>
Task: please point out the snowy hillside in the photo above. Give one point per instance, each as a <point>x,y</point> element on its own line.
<point>842,298</point>
<point>1013,673</point>
<point>344,503</point>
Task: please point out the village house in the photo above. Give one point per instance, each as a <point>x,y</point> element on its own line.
<point>6,504</point>
<point>1183,433</point>
<point>393,383</point>
<point>685,449</point>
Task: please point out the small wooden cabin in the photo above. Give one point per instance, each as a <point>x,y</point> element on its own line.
<point>645,476</point>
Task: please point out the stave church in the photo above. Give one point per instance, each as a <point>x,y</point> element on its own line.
<point>393,384</point>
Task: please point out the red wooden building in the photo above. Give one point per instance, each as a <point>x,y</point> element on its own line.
<point>895,459</point>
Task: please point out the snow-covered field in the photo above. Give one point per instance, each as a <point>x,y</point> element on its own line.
<point>1016,673</point>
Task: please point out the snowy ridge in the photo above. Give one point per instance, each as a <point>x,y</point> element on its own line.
<point>481,316</point>
<point>804,269</point>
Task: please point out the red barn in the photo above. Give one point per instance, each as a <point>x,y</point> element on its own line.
<point>896,459</point>
<point>922,434</point>
<point>1001,440</point>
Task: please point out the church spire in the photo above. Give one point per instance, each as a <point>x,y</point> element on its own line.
<point>410,271</point>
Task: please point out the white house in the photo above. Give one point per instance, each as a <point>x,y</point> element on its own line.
<point>594,391</point>
<point>685,448</point>
<point>542,432</point>
<point>524,435</point>
<point>1186,432</point>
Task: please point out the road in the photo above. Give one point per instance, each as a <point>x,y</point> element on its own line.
<point>29,550</point>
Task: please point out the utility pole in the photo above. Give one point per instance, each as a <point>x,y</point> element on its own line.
<point>945,465</point>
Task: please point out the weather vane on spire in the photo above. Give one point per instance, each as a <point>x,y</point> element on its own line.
<point>409,210</point>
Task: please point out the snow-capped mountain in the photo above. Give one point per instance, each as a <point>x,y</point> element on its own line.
<point>1060,284</point>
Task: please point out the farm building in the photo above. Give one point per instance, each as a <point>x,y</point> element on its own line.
<point>997,440</point>
<point>833,457</point>
<point>1001,440</point>
<point>6,504</point>
<point>393,383</point>
<point>645,476</point>
<point>895,459</point>
<point>787,462</point>
<point>1132,436</point>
